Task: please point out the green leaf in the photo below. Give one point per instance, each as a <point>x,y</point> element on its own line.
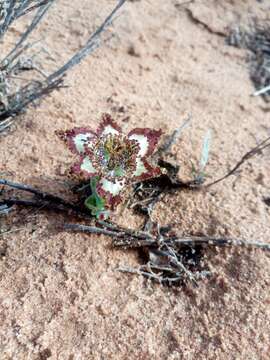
<point>94,202</point>
<point>205,151</point>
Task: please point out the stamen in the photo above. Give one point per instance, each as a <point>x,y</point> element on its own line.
<point>115,155</point>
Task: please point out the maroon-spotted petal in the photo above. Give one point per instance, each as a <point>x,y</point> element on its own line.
<point>146,138</point>
<point>108,126</point>
<point>84,168</point>
<point>77,139</point>
<point>112,198</point>
<point>145,171</point>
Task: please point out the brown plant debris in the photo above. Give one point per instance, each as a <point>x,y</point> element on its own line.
<point>168,258</point>
<point>257,40</point>
<point>22,80</point>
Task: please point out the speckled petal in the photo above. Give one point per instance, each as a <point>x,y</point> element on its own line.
<point>77,139</point>
<point>110,190</point>
<point>84,168</point>
<point>108,126</point>
<point>145,171</point>
<point>140,168</point>
<point>113,187</point>
<point>146,138</point>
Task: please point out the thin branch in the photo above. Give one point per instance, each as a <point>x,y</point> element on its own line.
<point>34,90</point>
<point>27,95</point>
<point>251,153</point>
<point>4,209</point>
<point>135,239</point>
<point>45,204</point>
<point>262,91</point>
<point>158,277</point>
<point>169,262</point>
<point>37,18</point>
<point>174,260</point>
<point>14,12</point>
<point>192,241</point>
<point>26,11</point>
<point>90,45</point>
<point>44,200</point>
<point>8,18</point>
<point>146,274</point>
<point>117,233</point>
<point>172,139</point>
<point>214,241</point>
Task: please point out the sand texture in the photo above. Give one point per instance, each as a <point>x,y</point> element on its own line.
<point>60,295</point>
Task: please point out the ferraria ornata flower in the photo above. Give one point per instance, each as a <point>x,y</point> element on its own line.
<point>112,158</point>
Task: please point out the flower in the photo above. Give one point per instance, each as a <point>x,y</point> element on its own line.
<point>111,157</point>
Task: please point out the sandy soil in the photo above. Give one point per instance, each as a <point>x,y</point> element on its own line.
<point>60,296</point>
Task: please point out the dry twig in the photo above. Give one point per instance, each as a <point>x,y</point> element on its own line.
<point>171,258</point>
<point>250,154</point>
<point>168,259</point>
<point>40,200</point>
<point>257,40</point>
<point>14,99</point>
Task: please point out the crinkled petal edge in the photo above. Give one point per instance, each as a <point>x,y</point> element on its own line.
<point>112,197</point>
<point>147,171</point>
<point>147,139</point>
<point>84,136</point>
<point>84,168</point>
<point>108,126</point>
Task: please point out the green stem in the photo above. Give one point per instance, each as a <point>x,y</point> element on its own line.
<point>94,202</point>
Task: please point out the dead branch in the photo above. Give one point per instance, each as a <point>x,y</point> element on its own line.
<point>257,40</point>
<point>41,200</point>
<point>168,262</point>
<point>146,271</point>
<point>127,238</point>
<point>250,154</point>
<point>165,148</point>
<point>15,102</point>
<point>172,259</point>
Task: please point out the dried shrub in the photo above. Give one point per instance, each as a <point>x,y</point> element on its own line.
<point>22,80</point>
<point>257,40</point>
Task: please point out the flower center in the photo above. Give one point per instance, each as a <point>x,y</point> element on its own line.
<point>116,154</point>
